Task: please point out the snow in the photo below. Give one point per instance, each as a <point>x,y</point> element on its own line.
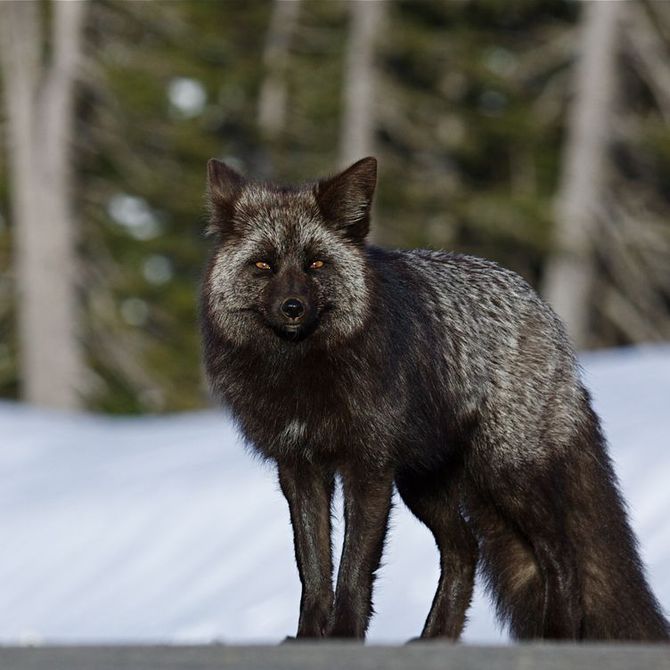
<point>166,529</point>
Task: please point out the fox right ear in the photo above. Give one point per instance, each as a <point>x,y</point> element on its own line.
<point>345,200</point>
<point>224,186</point>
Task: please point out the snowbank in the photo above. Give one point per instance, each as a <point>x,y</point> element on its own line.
<point>164,529</point>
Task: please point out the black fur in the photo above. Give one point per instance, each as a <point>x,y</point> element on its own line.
<point>443,375</point>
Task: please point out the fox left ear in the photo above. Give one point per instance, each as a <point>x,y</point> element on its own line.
<point>224,188</point>
<point>345,199</point>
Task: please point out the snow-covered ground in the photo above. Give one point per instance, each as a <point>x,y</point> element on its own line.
<point>165,529</point>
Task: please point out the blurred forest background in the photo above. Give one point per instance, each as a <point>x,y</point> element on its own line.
<point>532,132</point>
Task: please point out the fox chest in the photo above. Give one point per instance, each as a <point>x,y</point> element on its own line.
<point>290,425</point>
<point>325,423</point>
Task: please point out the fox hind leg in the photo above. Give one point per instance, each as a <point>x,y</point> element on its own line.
<point>435,500</point>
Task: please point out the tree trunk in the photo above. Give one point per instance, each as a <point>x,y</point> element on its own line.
<point>39,104</point>
<point>273,96</point>
<point>358,117</point>
<point>569,273</point>
<point>357,133</point>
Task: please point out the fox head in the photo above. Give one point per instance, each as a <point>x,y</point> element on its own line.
<point>289,262</point>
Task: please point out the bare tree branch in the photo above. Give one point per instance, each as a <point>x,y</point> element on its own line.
<point>650,54</point>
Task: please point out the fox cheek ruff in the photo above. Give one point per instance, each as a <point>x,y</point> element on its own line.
<point>343,285</point>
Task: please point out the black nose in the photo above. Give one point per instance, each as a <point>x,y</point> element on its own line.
<point>293,308</point>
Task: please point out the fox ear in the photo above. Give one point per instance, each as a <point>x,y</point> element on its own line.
<point>224,186</point>
<point>345,199</point>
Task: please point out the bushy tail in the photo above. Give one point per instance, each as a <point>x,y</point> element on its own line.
<point>613,599</point>
<point>617,602</point>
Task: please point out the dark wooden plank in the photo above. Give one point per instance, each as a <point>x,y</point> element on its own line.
<point>339,656</point>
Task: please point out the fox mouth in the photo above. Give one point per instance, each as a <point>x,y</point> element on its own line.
<point>294,332</point>
<point>289,332</point>
<point>297,332</point>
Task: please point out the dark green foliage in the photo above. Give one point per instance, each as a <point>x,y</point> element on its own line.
<point>470,125</point>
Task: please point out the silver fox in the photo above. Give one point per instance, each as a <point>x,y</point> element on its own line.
<point>442,375</point>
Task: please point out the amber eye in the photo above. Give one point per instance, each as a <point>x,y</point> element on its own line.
<point>262,265</point>
<point>315,265</point>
